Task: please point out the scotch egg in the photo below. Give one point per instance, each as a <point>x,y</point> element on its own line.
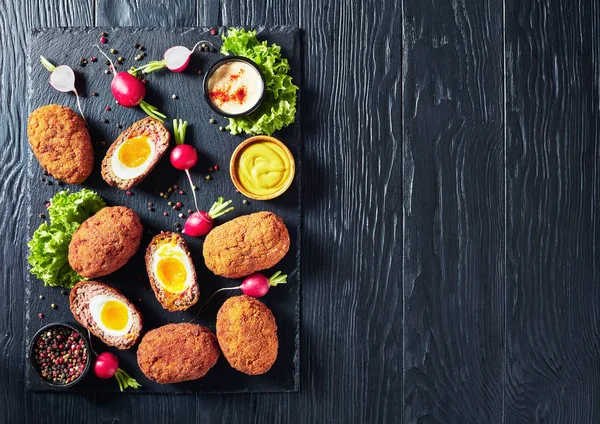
<point>135,153</point>
<point>107,313</point>
<point>171,272</point>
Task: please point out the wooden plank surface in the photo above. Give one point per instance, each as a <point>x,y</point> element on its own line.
<point>500,320</point>
<point>553,245</point>
<point>453,212</point>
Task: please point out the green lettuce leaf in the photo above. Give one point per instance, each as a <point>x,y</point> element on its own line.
<point>49,246</point>
<point>278,108</point>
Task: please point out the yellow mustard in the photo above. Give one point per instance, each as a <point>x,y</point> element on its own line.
<point>264,168</point>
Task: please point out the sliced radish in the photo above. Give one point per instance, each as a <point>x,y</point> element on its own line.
<point>62,78</point>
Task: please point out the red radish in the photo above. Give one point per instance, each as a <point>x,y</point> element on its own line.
<point>254,285</point>
<point>62,78</point>
<point>257,284</point>
<point>183,156</point>
<point>200,223</point>
<point>129,91</point>
<point>176,59</point>
<point>106,365</point>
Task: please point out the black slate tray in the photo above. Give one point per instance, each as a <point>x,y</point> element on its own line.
<point>66,46</point>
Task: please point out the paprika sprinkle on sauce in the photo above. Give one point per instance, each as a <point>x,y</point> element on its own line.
<point>234,87</point>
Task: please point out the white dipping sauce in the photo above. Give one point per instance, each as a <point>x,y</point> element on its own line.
<point>235,87</point>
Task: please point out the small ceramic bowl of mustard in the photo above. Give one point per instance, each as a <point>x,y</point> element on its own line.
<point>262,168</point>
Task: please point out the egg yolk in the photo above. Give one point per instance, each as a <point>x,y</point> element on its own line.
<point>114,315</point>
<point>172,274</point>
<point>134,151</point>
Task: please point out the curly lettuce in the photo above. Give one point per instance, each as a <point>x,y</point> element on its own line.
<point>278,108</point>
<point>49,246</point>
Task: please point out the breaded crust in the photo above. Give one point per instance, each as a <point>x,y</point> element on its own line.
<point>61,143</point>
<point>172,301</point>
<point>247,334</point>
<point>80,298</point>
<point>105,242</point>
<point>149,127</point>
<point>177,352</point>
<point>246,244</point>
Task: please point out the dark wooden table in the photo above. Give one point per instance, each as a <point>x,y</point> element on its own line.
<point>451,239</point>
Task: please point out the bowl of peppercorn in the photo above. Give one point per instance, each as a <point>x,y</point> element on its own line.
<point>60,354</point>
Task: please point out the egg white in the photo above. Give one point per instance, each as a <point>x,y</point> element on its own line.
<point>172,250</point>
<point>96,305</point>
<point>124,172</point>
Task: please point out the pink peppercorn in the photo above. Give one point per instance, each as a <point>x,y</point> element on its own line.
<point>103,40</point>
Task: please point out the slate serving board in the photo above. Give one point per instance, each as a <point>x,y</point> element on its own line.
<point>67,46</point>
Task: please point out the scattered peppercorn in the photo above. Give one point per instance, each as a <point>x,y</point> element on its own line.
<point>203,46</point>
<point>144,81</point>
<point>42,216</point>
<point>42,179</point>
<point>142,48</point>
<point>40,316</point>
<point>221,129</point>
<point>129,193</point>
<point>198,72</point>
<point>103,40</point>
<point>53,306</point>
<point>213,31</point>
<point>211,169</point>
<point>41,297</point>
<point>48,182</point>
<point>149,203</point>
<point>103,143</point>
<point>169,189</point>
<point>94,94</point>
<point>107,108</point>
<point>208,177</point>
<point>216,167</point>
<point>181,192</point>
<point>175,186</point>
<point>166,213</point>
<point>105,121</point>
<point>190,211</point>
<point>170,203</point>
<point>245,202</point>
<point>94,59</point>
<point>113,51</point>
<point>63,291</point>
<point>174,96</point>
<point>194,187</point>
<point>103,34</point>
<point>107,71</point>
<point>151,209</point>
<point>119,126</point>
<point>181,215</point>
<point>120,59</point>
<point>212,121</point>
<point>136,46</point>
<point>179,204</point>
<point>176,224</point>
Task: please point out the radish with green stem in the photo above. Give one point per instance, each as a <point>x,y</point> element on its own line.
<point>183,156</point>
<point>129,91</point>
<point>254,285</point>
<point>62,78</point>
<point>107,366</point>
<point>176,59</point>
<point>200,223</point>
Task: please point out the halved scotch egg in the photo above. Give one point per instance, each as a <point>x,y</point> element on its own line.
<point>171,272</point>
<point>107,313</point>
<point>135,153</point>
